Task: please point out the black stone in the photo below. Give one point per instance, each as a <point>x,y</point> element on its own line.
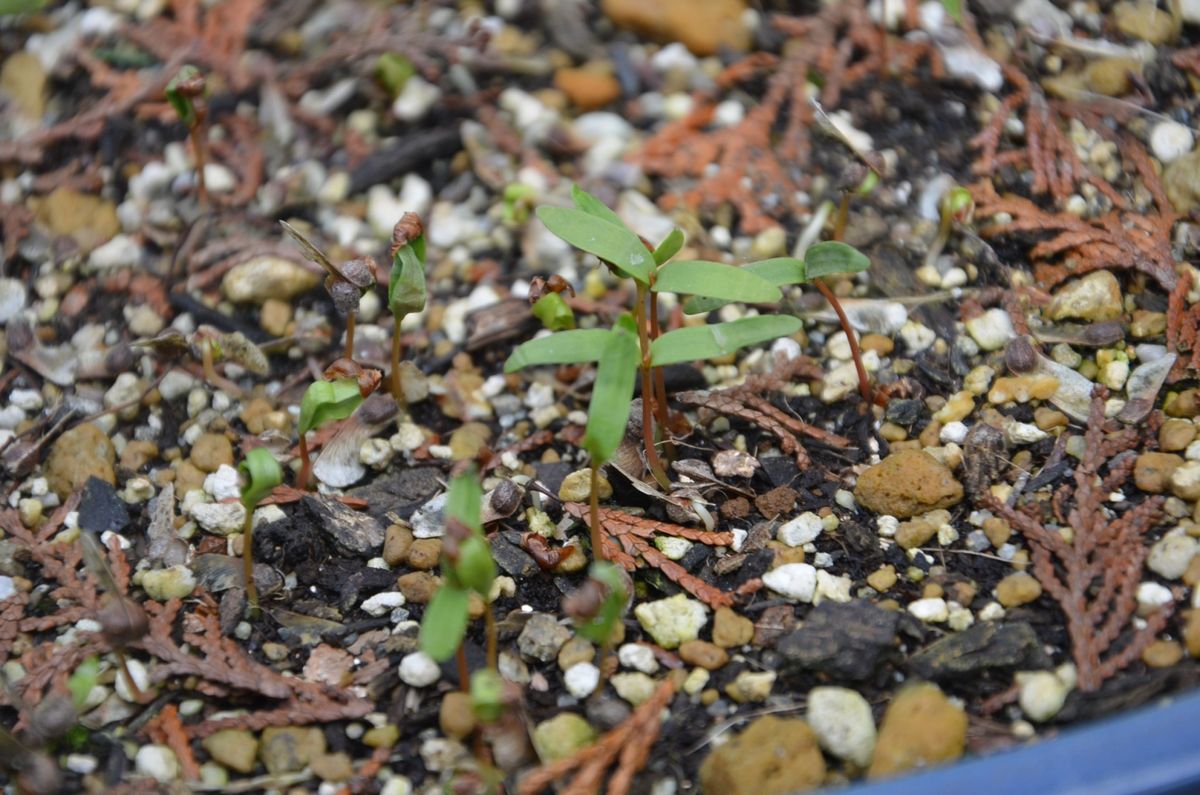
<point>846,641</point>
<point>781,470</point>
<point>401,493</point>
<point>100,508</point>
<point>985,646</point>
<point>904,411</point>
<point>552,475</point>
<point>513,560</point>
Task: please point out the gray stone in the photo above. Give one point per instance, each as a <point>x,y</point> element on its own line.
<point>513,560</point>
<point>844,640</point>
<point>542,637</point>
<point>988,645</point>
<point>357,533</point>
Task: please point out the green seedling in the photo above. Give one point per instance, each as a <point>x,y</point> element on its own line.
<point>393,70</point>
<point>467,567</point>
<point>956,206</point>
<point>406,287</point>
<point>82,680</point>
<point>261,473</point>
<point>596,607</point>
<point>518,201</point>
<point>346,284</point>
<point>121,619</point>
<point>209,346</point>
<point>548,304</point>
<point>185,92</point>
<point>594,228</point>
<point>324,401</point>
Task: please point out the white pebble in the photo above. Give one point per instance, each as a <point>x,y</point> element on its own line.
<point>1170,556</point>
<point>1170,140</point>
<point>933,610</point>
<point>800,531</point>
<point>638,657</point>
<point>1151,596</point>
<point>581,679</point>
<point>419,670</point>
<point>1042,694</point>
<point>381,603</point>
<point>141,678</point>
<point>158,762</point>
<point>842,721</point>
<point>955,432</point>
<point>793,580</point>
<point>224,483</point>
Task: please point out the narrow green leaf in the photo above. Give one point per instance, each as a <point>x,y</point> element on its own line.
<point>833,257</point>
<point>464,500</point>
<point>718,339</point>
<point>609,241</point>
<point>85,677</point>
<point>393,70</point>
<point>594,207</point>
<point>954,9</point>
<point>779,271</point>
<point>325,401</point>
<point>406,287</point>
<point>565,347</point>
<point>715,280</point>
<point>262,473</point>
<point>20,6</point>
<point>612,394</point>
<point>445,622</point>
<point>669,247</point>
<point>554,313</point>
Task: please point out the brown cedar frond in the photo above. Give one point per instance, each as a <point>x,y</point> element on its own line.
<point>755,165</point>
<point>628,536</point>
<point>629,745</point>
<point>1093,573</point>
<point>747,402</point>
<point>167,729</point>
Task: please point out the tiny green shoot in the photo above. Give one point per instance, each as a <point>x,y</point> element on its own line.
<point>324,401</point>
<point>467,567</point>
<point>406,287</point>
<point>185,93</point>
<point>261,473</point>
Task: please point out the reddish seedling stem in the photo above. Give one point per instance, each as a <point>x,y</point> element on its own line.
<point>864,384</point>
<point>397,389</point>
<point>594,514</point>
<point>350,324</point>
<point>660,384</point>
<point>493,654</point>
<point>302,477</point>
<point>652,458</point>
<point>464,673</point>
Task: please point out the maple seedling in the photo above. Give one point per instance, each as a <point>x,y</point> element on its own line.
<point>594,228</point>
<point>406,287</point>
<point>956,206</point>
<point>185,92</point>
<point>548,304</point>
<point>346,284</point>
<point>324,401</point>
<point>121,619</point>
<point>467,567</point>
<point>261,473</point>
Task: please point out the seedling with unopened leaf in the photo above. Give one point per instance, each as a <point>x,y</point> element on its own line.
<point>346,284</point>
<point>260,474</point>
<point>185,92</point>
<point>406,287</point>
<point>121,619</point>
<point>467,567</point>
<point>324,401</point>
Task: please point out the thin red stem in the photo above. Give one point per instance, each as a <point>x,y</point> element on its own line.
<point>302,477</point>
<point>864,383</point>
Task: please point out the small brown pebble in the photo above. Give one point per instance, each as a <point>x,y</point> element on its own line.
<point>1184,404</point>
<point>915,533</point>
<point>210,451</point>
<point>425,553</point>
<point>137,454</point>
<point>1191,632</point>
<point>963,591</point>
<point>1152,471</point>
<point>418,587</point>
<point>1049,419</point>
<point>707,697</point>
<point>785,554</point>
<point>731,629</point>
<point>708,656</point>
<point>1162,654</point>
<point>575,651</point>
<point>254,414</point>
<point>1018,589</point>
<point>882,578</point>
<point>275,316</point>
<point>1192,575</point>
<point>997,530</point>
<point>396,543</point>
<point>382,736</point>
<point>891,432</point>
<point>932,591</point>
<point>929,436</point>
<point>455,717</point>
<point>878,343</point>
<point>576,560</point>
<point>188,477</point>
<point>1175,435</point>
<point>776,501</point>
<point>332,767</point>
<point>737,508</point>
<point>1019,355</point>
<point>589,89</point>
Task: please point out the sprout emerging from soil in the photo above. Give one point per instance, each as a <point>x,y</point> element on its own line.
<point>185,92</point>
<point>346,285</point>
<point>121,619</point>
<point>406,287</point>
<point>261,473</point>
<point>324,401</point>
